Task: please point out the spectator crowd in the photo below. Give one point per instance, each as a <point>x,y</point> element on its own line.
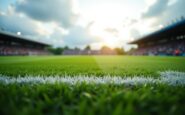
<point>170,49</point>
<point>18,50</point>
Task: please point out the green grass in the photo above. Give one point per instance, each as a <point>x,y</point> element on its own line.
<point>89,65</point>
<point>90,99</point>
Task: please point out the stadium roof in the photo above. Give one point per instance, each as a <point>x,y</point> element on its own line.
<point>18,38</point>
<point>174,30</point>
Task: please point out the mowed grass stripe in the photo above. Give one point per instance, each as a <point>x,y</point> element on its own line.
<point>89,65</point>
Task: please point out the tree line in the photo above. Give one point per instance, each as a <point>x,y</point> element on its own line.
<point>60,50</point>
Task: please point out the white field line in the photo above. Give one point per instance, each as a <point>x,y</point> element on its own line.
<point>168,77</point>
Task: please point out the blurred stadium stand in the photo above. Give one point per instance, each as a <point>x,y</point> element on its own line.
<point>89,52</point>
<point>12,44</point>
<point>168,41</point>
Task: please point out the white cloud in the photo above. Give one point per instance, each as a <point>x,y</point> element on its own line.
<point>159,13</point>
<point>47,30</point>
<point>79,36</point>
<point>59,11</point>
<point>164,11</point>
<point>53,21</point>
<point>15,23</point>
<point>156,9</point>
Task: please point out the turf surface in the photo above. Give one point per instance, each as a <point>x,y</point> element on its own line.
<point>89,65</point>
<point>90,99</point>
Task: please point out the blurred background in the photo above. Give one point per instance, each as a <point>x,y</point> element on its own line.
<point>88,27</point>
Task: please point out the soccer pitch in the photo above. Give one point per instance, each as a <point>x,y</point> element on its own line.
<point>92,85</point>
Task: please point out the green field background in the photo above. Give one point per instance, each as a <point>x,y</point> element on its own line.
<point>89,99</point>
<point>89,65</point>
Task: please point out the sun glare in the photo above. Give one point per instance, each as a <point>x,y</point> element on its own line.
<point>105,37</point>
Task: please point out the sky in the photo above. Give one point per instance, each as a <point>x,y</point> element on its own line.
<point>78,23</point>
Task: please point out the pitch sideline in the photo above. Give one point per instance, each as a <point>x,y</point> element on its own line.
<point>172,78</point>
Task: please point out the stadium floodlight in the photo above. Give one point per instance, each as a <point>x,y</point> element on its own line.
<point>19,33</point>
